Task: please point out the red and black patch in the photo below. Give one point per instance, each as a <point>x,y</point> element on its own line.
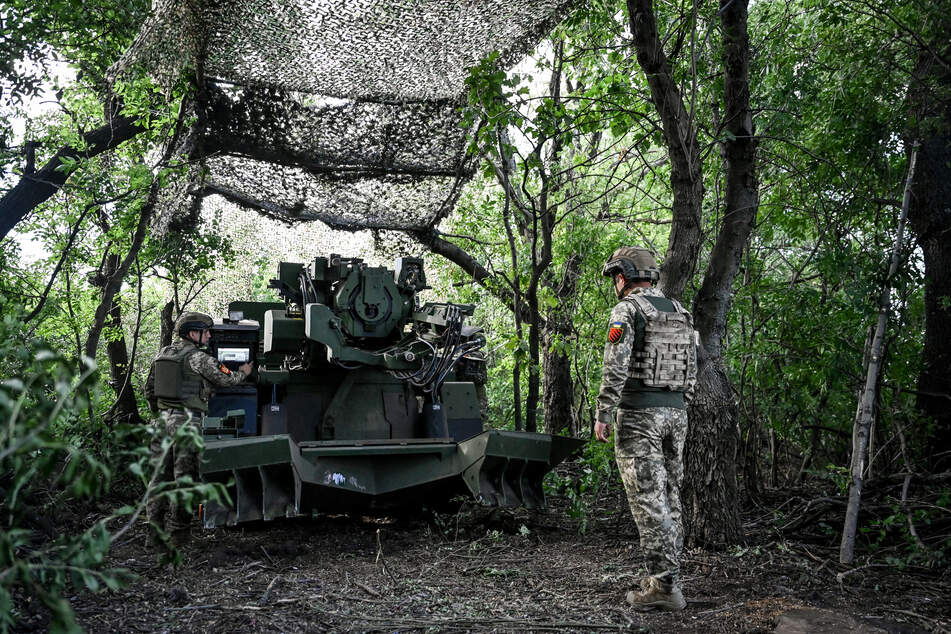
<point>225,369</point>
<point>616,332</point>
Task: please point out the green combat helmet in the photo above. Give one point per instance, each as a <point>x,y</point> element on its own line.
<point>192,321</point>
<point>634,263</point>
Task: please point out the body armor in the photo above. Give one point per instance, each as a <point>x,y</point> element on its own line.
<point>663,358</point>
<point>177,386</point>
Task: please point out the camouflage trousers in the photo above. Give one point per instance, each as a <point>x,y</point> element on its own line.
<point>649,446</point>
<point>181,459</point>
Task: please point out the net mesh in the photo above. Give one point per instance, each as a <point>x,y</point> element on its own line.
<point>346,111</point>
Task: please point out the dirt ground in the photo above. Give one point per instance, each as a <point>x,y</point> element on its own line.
<point>491,571</point>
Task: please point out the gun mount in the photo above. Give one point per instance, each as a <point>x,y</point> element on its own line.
<point>362,399</point>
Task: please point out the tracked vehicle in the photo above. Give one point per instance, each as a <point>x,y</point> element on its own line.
<point>362,399</point>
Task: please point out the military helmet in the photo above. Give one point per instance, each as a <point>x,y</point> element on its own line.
<point>192,321</point>
<point>635,263</point>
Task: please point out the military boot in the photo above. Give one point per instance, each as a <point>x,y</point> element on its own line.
<point>657,595</point>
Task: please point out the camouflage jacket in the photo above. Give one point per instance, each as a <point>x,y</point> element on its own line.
<point>624,326</point>
<point>212,373</point>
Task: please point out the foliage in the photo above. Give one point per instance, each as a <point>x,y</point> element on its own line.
<point>582,490</point>
<point>828,86</point>
<point>832,169</point>
<point>41,465</point>
<point>49,462</point>
<point>902,533</point>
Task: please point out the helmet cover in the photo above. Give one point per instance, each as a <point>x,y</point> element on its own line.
<point>192,321</point>
<point>634,263</point>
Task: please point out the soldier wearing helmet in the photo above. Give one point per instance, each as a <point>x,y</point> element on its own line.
<point>650,368</point>
<point>178,388</point>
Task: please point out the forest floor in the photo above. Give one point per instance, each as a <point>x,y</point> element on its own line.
<point>483,571</point>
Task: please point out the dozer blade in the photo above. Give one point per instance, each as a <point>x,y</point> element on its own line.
<point>260,478</point>
<point>268,477</point>
<point>506,468</point>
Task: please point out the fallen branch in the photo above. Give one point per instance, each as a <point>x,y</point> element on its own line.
<point>723,609</point>
<point>840,577</point>
<point>265,598</point>
<point>367,589</point>
<point>381,559</point>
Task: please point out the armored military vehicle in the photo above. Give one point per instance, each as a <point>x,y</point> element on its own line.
<point>362,399</point>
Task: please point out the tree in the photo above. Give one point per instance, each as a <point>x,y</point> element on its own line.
<point>864,412</point>
<point>710,496</point>
<point>929,124</point>
<point>91,35</point>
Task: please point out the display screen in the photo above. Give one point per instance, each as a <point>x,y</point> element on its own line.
<point>241,355</point>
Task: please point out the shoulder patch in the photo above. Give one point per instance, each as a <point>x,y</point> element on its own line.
<point>224,369</point>
<point>616,332</point>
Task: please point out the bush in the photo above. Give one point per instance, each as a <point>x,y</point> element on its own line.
<point>582,489</point>
<point>41,394</point>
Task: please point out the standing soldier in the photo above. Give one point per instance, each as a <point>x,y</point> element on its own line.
<point>178,388</point>
<point>650,366</point>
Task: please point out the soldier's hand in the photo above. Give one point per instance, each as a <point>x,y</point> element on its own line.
<point>602,431</point>
<point>246,368</point>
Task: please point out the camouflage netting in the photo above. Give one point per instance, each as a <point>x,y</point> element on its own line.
<point>346,111</point>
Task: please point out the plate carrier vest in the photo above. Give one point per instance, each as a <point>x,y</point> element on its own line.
<point>664,358</point>
<point>177,386</point>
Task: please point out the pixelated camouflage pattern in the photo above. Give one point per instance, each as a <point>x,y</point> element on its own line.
<point>211,371</point>
<point>180,460</point>
<point>617,357</point>
<point>649,450</point>
<point>616,368</point>
<point>649,447</point>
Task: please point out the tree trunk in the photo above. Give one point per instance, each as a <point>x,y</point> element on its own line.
<point>930,220</point>
<point>558,386</point>
<point>167,323</point>
<point>557,383</point>
<point>126,409</point>
<point>680,136</point>
<point>741,198</point>
<point>35,188</point>
<point>534,354</point>
<point>711,511</point>
<point>709,492</point>
<point>713,432</point>
<point>543,228</point>
<point>113,282</point>
<point>865,412</point>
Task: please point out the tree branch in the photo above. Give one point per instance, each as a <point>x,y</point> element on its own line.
<point>462,259</point>
<point>36,188</point>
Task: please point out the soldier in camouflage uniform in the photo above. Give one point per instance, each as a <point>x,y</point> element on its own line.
<point>178,388</point>
<point>649,370</point>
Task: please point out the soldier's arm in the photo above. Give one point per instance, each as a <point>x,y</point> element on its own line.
<point>214,372</point>
<point>617,360</point>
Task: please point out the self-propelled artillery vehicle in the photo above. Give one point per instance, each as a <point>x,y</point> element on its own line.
<point>361,399</point>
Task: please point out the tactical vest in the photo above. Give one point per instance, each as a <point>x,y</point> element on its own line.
<point>177,386</point>
<point>664,359</point>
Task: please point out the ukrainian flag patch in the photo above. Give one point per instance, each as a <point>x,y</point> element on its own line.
<point>616,332</point>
